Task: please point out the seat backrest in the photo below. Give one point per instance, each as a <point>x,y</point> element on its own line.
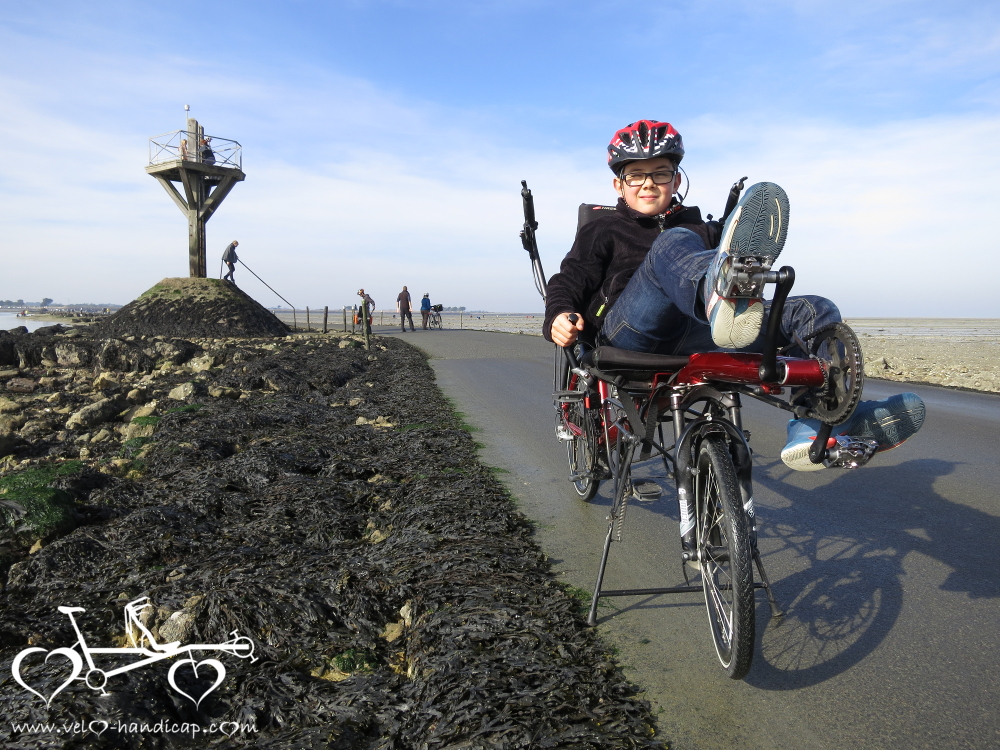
<point>588,212</point>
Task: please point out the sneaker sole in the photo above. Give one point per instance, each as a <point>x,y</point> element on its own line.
<point>890,428</point>
<point>735,329</point>
<point>797,458</point>
<point>760,225</point>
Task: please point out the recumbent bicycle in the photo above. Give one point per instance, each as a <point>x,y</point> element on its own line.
<point>613,405</point>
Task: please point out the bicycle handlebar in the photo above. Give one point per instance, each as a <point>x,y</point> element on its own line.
<point>528,241</point>
<point>574,363</point>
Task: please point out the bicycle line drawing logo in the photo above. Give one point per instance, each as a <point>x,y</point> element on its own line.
<point>136,634</point>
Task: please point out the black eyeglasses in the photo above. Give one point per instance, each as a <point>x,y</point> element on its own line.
<point>635,179</point>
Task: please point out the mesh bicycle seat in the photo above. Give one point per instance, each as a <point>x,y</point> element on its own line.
<point>610,358</point>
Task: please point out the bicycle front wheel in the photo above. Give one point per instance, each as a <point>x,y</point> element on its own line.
<point>724,555</point>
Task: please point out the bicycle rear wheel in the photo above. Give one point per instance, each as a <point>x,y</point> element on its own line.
<point>581,450</point>
<point>723,534</point>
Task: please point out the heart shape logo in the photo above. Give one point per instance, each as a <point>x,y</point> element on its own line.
<point>98,723</point>
<point>220,675</point>
<point>228,728</point>
<point>73,656</point>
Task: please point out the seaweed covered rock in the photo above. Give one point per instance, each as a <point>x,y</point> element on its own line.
<point>394,597</point>
<point>187,308</point>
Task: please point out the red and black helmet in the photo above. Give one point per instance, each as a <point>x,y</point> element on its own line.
<point>645,139</point>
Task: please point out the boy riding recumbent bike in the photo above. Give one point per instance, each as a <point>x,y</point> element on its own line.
<point>612,405</point>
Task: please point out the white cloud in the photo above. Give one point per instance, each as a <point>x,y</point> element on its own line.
<point>350,185</point>
<point>885,220</point>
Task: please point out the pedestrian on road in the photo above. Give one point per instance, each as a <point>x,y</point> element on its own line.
<point>230,258</point>
<point>425,308</point>
<point>403,308</point>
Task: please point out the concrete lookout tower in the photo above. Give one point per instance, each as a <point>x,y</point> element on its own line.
<point>207,168</point>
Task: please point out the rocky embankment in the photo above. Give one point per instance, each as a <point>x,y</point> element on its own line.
<point>318,498</point>
<point>970,364</point>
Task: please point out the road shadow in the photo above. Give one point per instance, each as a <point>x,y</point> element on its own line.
<point>847,538</point>
<point>854,533</point>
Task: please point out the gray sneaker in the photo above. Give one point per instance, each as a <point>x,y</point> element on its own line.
<point>752,239</point>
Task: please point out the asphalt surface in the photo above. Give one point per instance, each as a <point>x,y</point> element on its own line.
<point>888,574</point>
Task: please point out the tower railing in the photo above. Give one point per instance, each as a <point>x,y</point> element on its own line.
<point>184,145</point>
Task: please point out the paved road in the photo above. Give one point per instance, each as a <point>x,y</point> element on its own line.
<point>889,575</point>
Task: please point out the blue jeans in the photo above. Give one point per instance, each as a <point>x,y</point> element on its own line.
<point>662,310</point>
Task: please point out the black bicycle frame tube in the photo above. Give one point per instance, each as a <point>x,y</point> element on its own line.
<point>769,363</point>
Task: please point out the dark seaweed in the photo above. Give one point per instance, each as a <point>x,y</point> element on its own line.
<point>282,517</point>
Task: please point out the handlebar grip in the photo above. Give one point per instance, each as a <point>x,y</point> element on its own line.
<point>573,361</point>
<point>529,205</point>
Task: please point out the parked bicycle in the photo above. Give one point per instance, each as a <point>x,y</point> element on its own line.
<point>612,406</point>
<point>434,319</point>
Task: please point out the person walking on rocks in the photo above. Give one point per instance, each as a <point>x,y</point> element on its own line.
<point>230,258</point>
<point>425,308</point>
<point>367,306</point>
<point>403,308</point>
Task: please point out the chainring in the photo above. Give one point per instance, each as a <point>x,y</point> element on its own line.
<point>838,350</point>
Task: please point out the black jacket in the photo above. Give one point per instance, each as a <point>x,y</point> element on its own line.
<point>606,253</point>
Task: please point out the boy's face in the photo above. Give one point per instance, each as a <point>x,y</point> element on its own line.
<point>647,197</point>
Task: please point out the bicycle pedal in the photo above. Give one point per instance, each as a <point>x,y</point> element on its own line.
<point>564,434</point>
<point>646,491</point>
<point>850,452</point>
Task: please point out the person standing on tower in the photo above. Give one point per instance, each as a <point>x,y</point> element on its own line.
<point>205,152</point>
<point>230,258</point>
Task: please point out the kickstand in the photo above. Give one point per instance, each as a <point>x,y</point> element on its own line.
<point>776,612</point>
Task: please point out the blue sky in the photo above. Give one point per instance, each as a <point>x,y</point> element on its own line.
<point>384,142</point>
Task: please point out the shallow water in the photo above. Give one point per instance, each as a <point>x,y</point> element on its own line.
<point>10,320</point>
<point>951,328</point>
<point>954,328</point>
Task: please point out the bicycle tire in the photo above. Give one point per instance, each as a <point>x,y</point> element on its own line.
<point>725,558</point>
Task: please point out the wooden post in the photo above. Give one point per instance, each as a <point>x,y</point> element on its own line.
<point>381,317</point>
<point>295,322</point>
<point>345,320</point>
<point>460,316</point>
<point>354,320</point>
<point>308,323</point>
<point>326,315</point>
